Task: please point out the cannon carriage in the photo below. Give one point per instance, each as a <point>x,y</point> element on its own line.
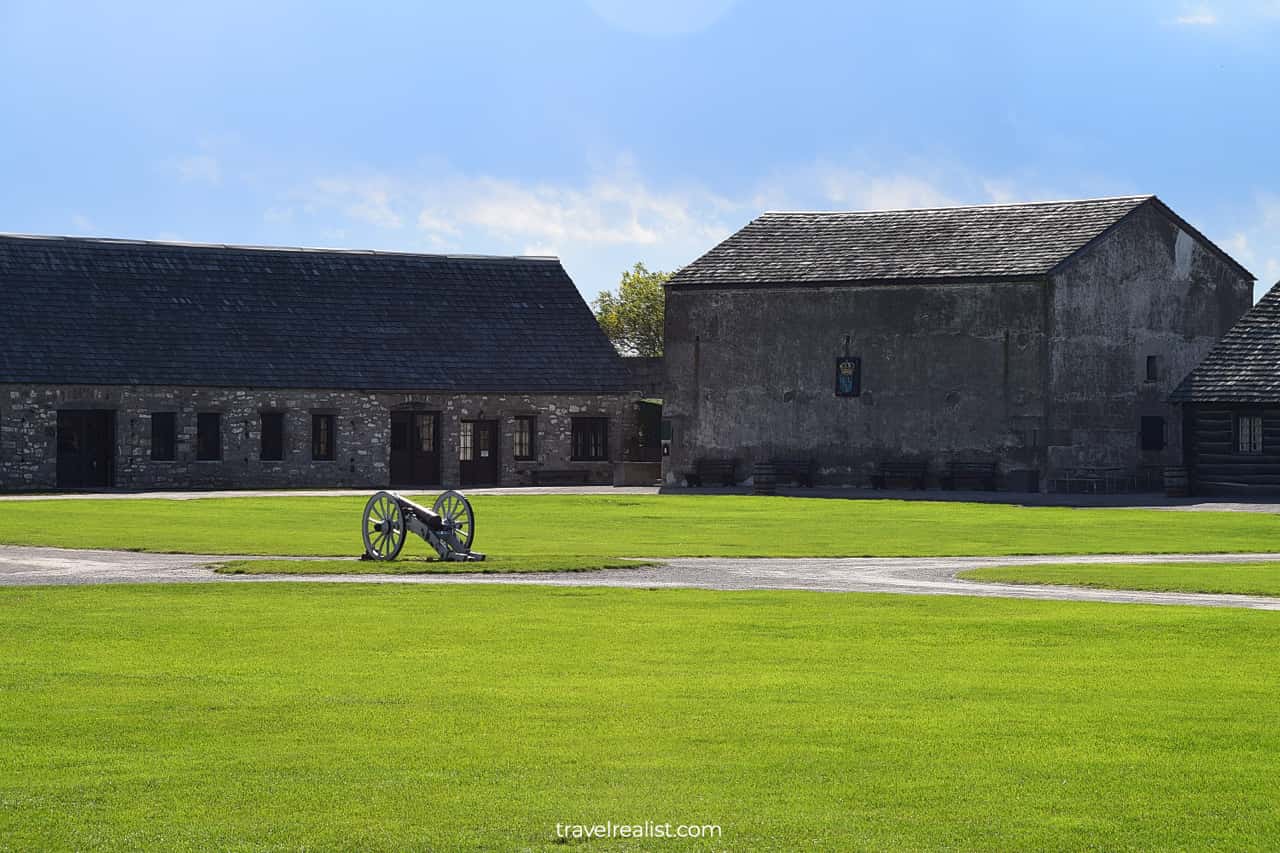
<point>449,526</point>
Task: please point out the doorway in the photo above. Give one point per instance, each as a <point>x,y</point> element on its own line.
<point>86,448</point>
<point>415,448</point>
<point>478,453</point>
<point>648,438</point>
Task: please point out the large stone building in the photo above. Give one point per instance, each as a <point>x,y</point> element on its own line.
<point>1044,337</point>
<point>151,365</point>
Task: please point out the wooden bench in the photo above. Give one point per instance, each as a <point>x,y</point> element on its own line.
<point>910,470</point>
<point>970,472</point>
<point>712,471</point>
<point>1094,481</point>
<point>560,476</point>
<point>795,471</point>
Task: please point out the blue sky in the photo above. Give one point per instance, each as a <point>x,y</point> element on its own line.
<point>608,132</point>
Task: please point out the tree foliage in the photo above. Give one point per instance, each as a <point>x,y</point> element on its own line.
<point>632,317</point>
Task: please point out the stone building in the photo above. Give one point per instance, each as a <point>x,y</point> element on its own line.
<point>151,365</point>
<point>1042,337</point>
<point>1231,408</point>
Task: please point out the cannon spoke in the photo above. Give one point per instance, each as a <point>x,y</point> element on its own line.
<point>384,528</point>
<point>455,510</point>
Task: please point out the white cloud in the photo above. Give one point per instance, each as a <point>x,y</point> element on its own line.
<point>83,224</point>
<point>612,210</point>
<point>198,168</point>
<point>1199,18</point>
<point>603,223</point>
<point>859,190</point>
<point>366,200</point>
<point>458,210</point>
<point>1257,244</point>
<point>432,223</point>
<point>1228,13</point>
<point>1002,192</point>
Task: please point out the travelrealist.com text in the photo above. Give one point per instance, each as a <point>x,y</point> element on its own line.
<point>648,829</point>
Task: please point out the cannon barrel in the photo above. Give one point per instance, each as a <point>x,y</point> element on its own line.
<point>428,517</point>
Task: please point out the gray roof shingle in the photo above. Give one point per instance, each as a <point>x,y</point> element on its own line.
<point>92,311</point>
<point>1243,367</point>
<point>983,241</point>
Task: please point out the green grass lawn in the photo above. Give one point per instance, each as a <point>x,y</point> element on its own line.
<point>423,566</point>
<point>641,526</point>
<point>1240,578</point>
<point>284,716</point>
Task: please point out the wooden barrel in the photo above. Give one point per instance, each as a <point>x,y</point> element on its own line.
<point>764,478</point>
<point>1175,481</point>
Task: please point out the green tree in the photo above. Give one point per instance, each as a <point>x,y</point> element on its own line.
<point>632,318</point>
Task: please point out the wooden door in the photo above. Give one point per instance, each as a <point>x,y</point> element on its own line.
<point>415,448</point>
<point>86,449</point>
<point>478,453</point>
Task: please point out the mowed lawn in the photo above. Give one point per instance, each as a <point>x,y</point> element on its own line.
<point>310,716</point>
<point>561,526</point>
<point>1238,578</point>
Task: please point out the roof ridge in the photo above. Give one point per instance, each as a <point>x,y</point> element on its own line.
<point>986,205</point>
<point>129,241</point>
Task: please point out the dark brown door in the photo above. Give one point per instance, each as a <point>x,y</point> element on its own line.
<point>415,448</point>
<point>86,449</point>
<point>478,453</point>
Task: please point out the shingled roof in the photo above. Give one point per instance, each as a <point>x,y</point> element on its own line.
<point>90,311</point>
<point>994,241</point>
<point>1243,367</point>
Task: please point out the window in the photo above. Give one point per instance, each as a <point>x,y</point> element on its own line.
<point>1249,434</point>
<point>272,437</point>
<point>1152,432</point>
<point>164,436</point>
<point>425,432</point>
<point>590,438</point>
<point>466,442</point>
<point>209,436</point>
<point>522,441</point>
<point>1153,368</point>
<point>322,449</point>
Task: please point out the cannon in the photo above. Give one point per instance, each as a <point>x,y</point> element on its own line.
<point>448,527</point>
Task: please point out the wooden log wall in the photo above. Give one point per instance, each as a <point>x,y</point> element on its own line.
<point>1214,463</point>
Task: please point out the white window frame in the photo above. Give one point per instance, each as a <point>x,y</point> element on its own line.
<point>1249,434</point>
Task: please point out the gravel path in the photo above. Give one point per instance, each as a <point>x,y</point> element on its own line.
<point>24,566</point>
<point>1146,500</point>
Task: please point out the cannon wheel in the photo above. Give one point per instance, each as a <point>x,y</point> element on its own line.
<point>454,508</point>
<point>383,529</point>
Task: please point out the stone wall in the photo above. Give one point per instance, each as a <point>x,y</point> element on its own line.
<point>28,434</point>
<point>948,371</point>
<point>1149,288</point>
